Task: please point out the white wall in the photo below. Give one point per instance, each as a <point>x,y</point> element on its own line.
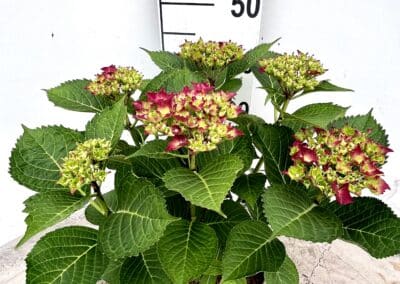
<point>358,41</point>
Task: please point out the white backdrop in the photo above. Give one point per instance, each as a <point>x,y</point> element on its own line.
<point>44,42</point>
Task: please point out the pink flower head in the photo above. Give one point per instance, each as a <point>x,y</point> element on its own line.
<point>160,98</point>
<point>342,193</point>
<point>233,132</point>
<point>370,169</point>
<point>378,185</point>
<point>385,150</point>
<point>138,105</point>
<point>357,155</point>
<point>202,87</point>
<point>178,141</point>
<point>304,154</point>
<point>109,71</point>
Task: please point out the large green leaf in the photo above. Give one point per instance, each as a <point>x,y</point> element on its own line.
<point>365,123</point>
<point>291,213</point>
<point>165,60</point>
<point>109,123</point>
<point>287,274</point>
<point>371,224</point>
<point>67,255</point>
<point>36,160</point>
<point>314,115</point>
<point>241,147</point>
<point>94,216</point>
<point>249,59</point>
<point>139,221</point>
<point>48,208</point>
<point>186,250</point>
<point>73,95</point>
<point>232,85</point>
<point>249,188</point>
<point>270,85</point>
<point>144,269</point>
<point>235,214</point>
<point>251,248</point>
<point>274,142</point>
<point>208,187</point>
<point>173,80</point>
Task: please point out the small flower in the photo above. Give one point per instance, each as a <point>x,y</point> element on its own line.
<point>177,142</point>
<point>211,54</point>
<point>294,72</point>
<point>338,162</point>
<point>114,82</point>
<point>196,118</point>
<point>83,164</point>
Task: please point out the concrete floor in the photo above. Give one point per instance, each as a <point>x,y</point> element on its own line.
<point>320,263</point>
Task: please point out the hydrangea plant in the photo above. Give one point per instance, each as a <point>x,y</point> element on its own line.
<point>202,191</point>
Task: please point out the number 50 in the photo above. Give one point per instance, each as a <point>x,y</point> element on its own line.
<point>242,7</point>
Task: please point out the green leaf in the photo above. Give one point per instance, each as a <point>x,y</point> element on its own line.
<point>72,95</point>
<point>112,271</point>
<point>138,135</point>
<point>67,255</point>
<point>364,123</point>
<point>138,222</point>
<point>240,146</point>
<point>173,80</point>
<point>270,85</point>
<point>208,187</point>
<point>326,86</point>
<point>246,121</point>
<point>165,60</point>
<point>251,248</point>
<point>36,160</point>
<point>232,85</point>
<point>274,142</point>
<point>153,168</point>
<point>249,59</point>
<point>291,213</point>
<point>250,187</point>
<point>314,115</point>
<point>186,250</point>
<point>108,124</point>
<point>48,208</point>
<point>144,269</point>
<point>235,214</point>
<point>94,216</point>
<point>371,224</point>
<point>156,150</point>
<point>287,274</point>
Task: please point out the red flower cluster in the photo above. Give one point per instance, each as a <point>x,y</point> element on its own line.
<point>196,117</point>
<point>338,162</point>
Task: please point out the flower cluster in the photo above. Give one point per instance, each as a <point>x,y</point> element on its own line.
<point>294,72</point>
<point>113,82</point>
<point>338,161</point>
<point>83,164</point>
<point>211,54</point>
<point>195,117</point>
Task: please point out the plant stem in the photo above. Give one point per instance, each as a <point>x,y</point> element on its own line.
<point>99,203</point>
<point>259,164</point>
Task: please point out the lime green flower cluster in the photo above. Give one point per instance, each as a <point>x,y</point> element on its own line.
<point>114,82</point>
<point>294,72</point>
<point>211,54</point>
<point>338,161</point>
<point>83,164</point>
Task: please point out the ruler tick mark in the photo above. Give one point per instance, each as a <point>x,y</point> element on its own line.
<point>187,3</point>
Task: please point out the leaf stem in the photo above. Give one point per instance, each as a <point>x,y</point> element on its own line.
<point>99,203</point>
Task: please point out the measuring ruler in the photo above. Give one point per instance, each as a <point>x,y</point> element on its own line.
<point>218,20</point>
